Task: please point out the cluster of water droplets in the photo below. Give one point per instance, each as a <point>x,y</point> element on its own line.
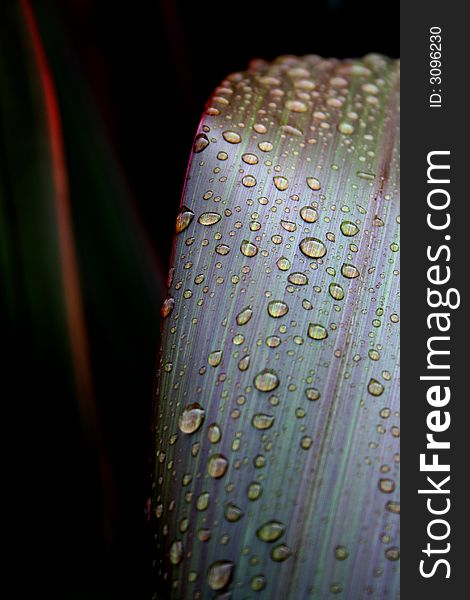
<point>281,313</point>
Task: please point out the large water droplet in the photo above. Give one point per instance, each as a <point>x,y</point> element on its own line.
<point>349,271</point>
<point>232,137</point>
<point>220,574</point>
<point>277,309</point>
<point>271,531</point>
<point>215,358</point>
<point>298,279</point>
<point>217,466</point>
<point>183,219</point>
<point>336,291</point>
<point>349,229</point>
<point>313,247</point>
<point>317,331</point>
<point>262,421</point>
<point>308,214</point>
<point>266,380</point>
<point>313,183</point>
<point>280,553</point>
<point>191,418</point>
<point>167,307</point>
<point>201,142</point>
<point>248,248</point>
<point>209,218</point>
<point>244,315</point>
<point>281,183</point>
<point>233,513</point>
<point>375,387</point>
<point>176,552</point>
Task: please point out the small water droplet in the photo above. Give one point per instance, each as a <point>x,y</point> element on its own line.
<point>222,249</point>
<point>296,106</point>
<point>214,434</point>
<point>249,181</point>
<point>283,263</point>
<point>387,486</point>
<point>341,553</point>
<point>312,394</point>
<point>250,159</point>
<point>233,513</point>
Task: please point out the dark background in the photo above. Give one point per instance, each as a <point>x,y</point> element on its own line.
<point>150,67</point>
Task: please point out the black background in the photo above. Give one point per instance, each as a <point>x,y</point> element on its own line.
<point>150,67</point>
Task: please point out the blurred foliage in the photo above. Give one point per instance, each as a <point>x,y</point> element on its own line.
<point>81,296</point>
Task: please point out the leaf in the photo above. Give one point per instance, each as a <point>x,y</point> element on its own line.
<point>294,173</point>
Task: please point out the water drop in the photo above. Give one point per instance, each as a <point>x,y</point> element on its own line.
<point>277,309</point>
<point>266,380</point>
<point>201,142</point>
<point>283,263</point>
<point>232,137</point>
<point>217,466</point>
<point>176,552</point>
<point>262,421</point>
<point>233,513</point>
<point>349,271</point>
<point>184,218</point>
<point>349,229</point>
<point>271,531</point>
<point>375,388</point>
<point>308,214</point>
<point>244,316</point>
<point>209,218</point>
<point>220,574</point>
<point>248,248</point>
<point>298,279</point>
<point>191,418</point>
<point>313,247</point>
<point>281,553</point>
<point>281,182</point>
<point>341,553</point>
<point>336,291</point>
<point>317,331</point>
<point>250,159</point>
<point>215,358</point>
<point>313,183</point>
<point>222,249</point>
<point>387,486</point>
<point>167,307</point>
